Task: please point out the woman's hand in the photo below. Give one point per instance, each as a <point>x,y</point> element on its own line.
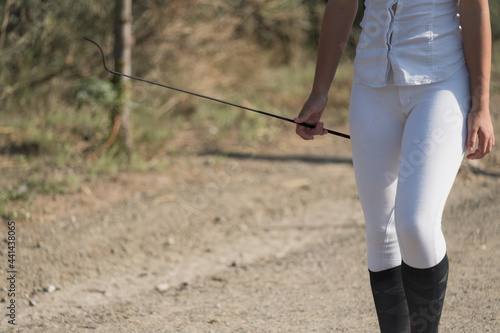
<point>311,113</point>
<point>479,126</point>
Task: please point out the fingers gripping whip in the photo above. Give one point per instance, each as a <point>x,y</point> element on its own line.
<point>207,97</point>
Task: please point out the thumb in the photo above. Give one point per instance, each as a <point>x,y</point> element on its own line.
<point>299,120</point>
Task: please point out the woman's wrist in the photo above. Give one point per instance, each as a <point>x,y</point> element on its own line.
<point>480,105</point>
<point>319,94</point>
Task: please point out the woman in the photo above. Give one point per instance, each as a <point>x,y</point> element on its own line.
<point>420,100</point>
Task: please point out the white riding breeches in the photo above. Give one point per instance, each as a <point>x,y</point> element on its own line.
<point>407,144</point>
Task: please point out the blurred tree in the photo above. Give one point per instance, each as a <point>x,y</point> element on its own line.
<point>120,114</point>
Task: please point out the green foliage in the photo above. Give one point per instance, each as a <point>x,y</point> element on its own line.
<point>95,91</point>
<point>41,42</point>
<point>495,19</point>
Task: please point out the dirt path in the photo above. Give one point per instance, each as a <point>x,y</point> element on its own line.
<point>262,241</point>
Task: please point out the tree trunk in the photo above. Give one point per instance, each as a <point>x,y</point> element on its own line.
<point>123,63</point>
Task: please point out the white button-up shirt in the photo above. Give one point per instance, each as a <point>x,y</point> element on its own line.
<point>421,41</point>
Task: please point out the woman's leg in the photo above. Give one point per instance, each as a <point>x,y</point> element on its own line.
<point>376,126</point>
<point>432,150</point>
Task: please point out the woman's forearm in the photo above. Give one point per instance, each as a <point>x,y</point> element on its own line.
<point>337,22</point>
<point>476,35</point>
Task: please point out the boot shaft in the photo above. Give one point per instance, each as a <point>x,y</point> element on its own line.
<point>425,291</point>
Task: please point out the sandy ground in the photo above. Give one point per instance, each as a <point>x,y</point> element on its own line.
<point>268,240</point>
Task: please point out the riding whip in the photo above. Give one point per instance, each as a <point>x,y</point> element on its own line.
<point>207,97</point>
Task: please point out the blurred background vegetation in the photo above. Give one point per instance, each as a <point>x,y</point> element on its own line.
<point>55,97</point>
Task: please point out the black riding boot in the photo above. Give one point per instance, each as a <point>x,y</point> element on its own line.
<point>425,290</point>
<point>390,301</point>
